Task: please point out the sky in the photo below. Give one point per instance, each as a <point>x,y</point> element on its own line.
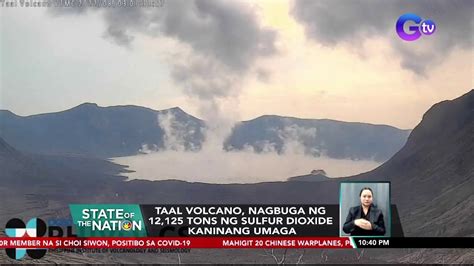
<point>237,60</point>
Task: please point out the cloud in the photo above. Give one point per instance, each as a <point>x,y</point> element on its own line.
<point>218,45</point>
<point>227,31</point>
<point>178,136</point>
<point>331,22</point>
<point>296,139</point>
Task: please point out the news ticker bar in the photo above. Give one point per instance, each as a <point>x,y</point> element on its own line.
<point>232,242</point>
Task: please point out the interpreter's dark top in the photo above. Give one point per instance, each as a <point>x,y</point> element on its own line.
<point>373,215</point>
<point>365,215</point>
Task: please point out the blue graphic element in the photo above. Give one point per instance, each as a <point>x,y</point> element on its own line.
<point>415,31</point>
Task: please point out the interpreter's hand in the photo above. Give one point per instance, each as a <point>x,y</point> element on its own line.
<point>363,223</point>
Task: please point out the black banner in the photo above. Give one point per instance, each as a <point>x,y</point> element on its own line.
<point>414,242</point>
<point>241,220</point>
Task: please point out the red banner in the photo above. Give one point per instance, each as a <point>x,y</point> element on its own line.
<point>175,242</point>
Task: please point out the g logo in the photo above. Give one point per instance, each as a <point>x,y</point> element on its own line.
<point>34,228</point>
<point>427,27</point>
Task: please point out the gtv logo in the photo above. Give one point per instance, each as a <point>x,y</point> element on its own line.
<point>427,27</point>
